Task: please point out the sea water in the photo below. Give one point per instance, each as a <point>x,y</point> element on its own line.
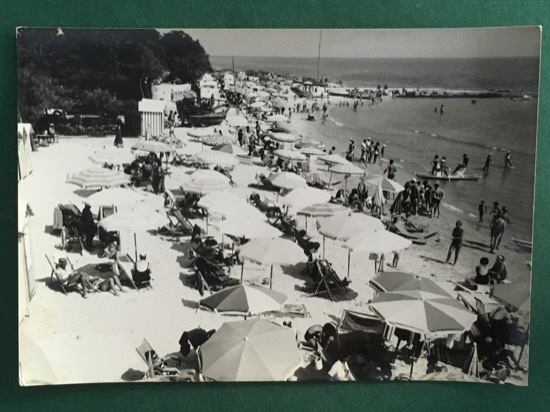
<point>414,132</point>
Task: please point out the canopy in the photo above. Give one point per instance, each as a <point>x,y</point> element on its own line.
<point>245,300</point>
<point>134,221</point>
<point>217,158</point>
<point>304,196</point>
<point>229,148</point>
<point>272,251</point>
<point>112,156</point>
<point>247,228</point>
<point>346,169</point>
<point>343,226</point>
<point>251,350</point>
<point>283,137</point>
<point>291,155</point>
<point>410,310</point>
<point>333,159</point>
<point>151,146</point>
<point>236,121</point>
<point>517,294</point>
<point>323,210</point>
<point>98,178</point>
<point>376,241</point>
<point>388,185</point>
<point>205,181</point>
<point>399,281</point>
<point>287,180</point>
<point>124,197</point>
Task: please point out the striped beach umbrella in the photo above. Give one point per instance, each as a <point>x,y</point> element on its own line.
<point>287,180</point>
<point>98,178</point>
<point>245,300</point>
<point>323,210</point>
<point>205,181</point>
<point>291,155</point>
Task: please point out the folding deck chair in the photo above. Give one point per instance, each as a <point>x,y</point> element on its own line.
<point>69,286</point>
<point>126,265</point>
<point>155,365</point>
<point>326,279</point>
<point>211,277</point>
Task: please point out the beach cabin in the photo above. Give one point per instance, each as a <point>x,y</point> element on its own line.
<point>25,134</point>
<point>152,117</point>
<point>26,280</point>
<point>167,91</point>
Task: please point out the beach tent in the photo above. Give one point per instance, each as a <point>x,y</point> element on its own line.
<point>26,282</point>
<point>152,117</point>
<point>24,149</point>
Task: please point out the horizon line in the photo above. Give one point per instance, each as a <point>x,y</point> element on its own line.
<point>386,58</point>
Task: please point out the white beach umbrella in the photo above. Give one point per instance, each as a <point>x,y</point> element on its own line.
<point>333,159</point>
<point>287,180</point>
<point>292,155</point>
<point>200,133</point>
<point>151,146</point>
<point>388,185</point>
<point>112,156</point>
<point>343,226</point>
<point>236,121</point>
<point>283,137</point>
<point>205,181</point>
<point>134,221</point>
<point>247,228</point>
<point>302,197</point>
<point>229,148</point>
<point>217,140</point>
<point>257,104</point>
<point>121,197</point>
<point>229,205</point>
<point>98,178</point>
<point>312,151</point>
<point>346,169</point>
<point>217,158</point>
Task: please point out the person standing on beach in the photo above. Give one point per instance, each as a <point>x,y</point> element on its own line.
<point>456,242</point>
<point>441,109</point>
<point>414,196</point>
<point>488,162</point>
<point>376,151</point>
<point>382,150</point>
<point>363,151</point>
<point>88,224</point>
<point>482,210</point>
<point>497,227</point>
<point>391,169</point>
<point>437,198</point>
<point>507,160</point>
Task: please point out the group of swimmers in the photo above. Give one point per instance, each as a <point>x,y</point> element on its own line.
<point>370,151</point>
<point>440,167</point>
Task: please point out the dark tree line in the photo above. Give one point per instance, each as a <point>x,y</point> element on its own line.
<point>97,71</point>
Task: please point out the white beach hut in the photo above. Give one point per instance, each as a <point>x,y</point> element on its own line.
<point>24,149</point>
<point>152,117</point>
<point>25,259</point>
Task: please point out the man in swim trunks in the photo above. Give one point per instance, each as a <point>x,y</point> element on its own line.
<point>456,242</point>
<point>391,169</point>
<point>435,164</point>
<point>437,197</point>
<point>507,160</point>
<point>498,225</point>
<point>463,165</point>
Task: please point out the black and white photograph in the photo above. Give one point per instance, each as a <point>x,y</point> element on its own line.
<point>236,205</point>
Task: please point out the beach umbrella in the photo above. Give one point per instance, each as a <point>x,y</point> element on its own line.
<point>343,226</point>
<point>266,109</point>
<point>229,205</point>
<point>516,294</point>
<point>98,178</point>
<point>250,350</point>
<point>245,300</point>
<point>248,228</point>
<point>388,185</point>
<point>151,146</point>
<point>322,210</point>
<point>287,180</point>
<point>272,251</point>
<point>398,281</point>
<point>112,156</point>
<point>229,148</point>
<point>277,118</point>
<point>205,181</point>
<point>301,197</point>
<point>283,137</point>
<point>217,158</point>
<point>312,151</point>
<point>217,140</point>
<point>333,159</point>
<point>309,143</point>
<point>119,196</point>
<point>201,133</point>
<point>346,169</point>
<point>236,121</point>
<point>412,311</point>
<point>375,241</point>
<point>291,155</point>
<point>134,221</point>
<point>257,104</point>
<point>378,199</point>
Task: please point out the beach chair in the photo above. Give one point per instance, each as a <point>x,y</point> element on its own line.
<point>92,283</point>
<point>126,265</point>
<point>326,279</point>
<point>70,236</point>
<point>155,365</point>
<point>211,277</point>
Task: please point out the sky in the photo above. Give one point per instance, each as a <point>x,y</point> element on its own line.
<point>389,43</point>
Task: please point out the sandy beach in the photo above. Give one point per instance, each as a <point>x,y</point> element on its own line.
<point>94,339</point>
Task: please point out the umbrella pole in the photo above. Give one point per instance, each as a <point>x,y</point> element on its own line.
<point>349,258</point>
<point>271,278</point>
<point>412,359</point>
<point>323,247</point>
<point>306,223</point>
<point>135,247</point>
<point>242,271</point>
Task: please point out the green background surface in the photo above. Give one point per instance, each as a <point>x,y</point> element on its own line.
<point>256,396</point>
